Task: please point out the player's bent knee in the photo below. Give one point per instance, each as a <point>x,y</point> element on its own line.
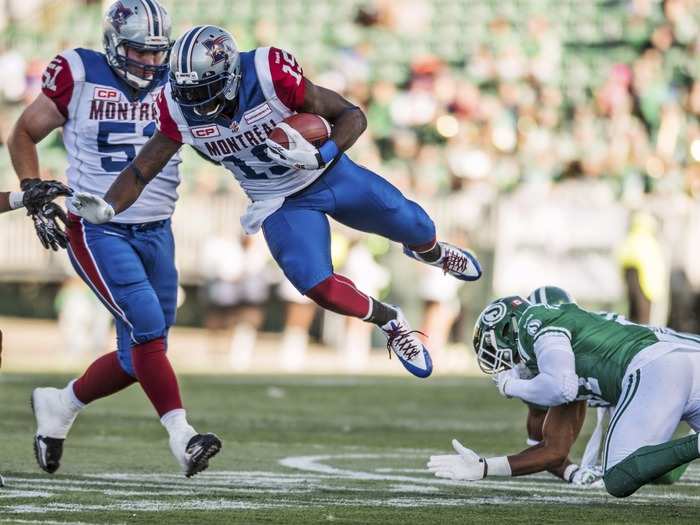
<point>425,226</point>
<point>417,226</point>
<point>145,317</point>
<point>621,480</point>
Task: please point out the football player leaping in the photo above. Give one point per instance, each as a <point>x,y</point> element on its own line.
<point>224,103</point>
<point>651,375</point>
<point>105,104</point>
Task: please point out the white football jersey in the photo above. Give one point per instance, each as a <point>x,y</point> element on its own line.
<point>271,90</point>
<point>106,126</point>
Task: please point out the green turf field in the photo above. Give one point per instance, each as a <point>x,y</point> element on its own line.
<point>301,450</point>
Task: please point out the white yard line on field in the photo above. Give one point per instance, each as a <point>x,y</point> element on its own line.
<point>315,481</point>
<point>317,464</point>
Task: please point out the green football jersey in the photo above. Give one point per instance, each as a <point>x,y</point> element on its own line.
<point>603,345</point>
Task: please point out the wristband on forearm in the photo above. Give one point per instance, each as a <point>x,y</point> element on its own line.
<point>328,151</point>
<point>497,467</point>
<point>16,199</point>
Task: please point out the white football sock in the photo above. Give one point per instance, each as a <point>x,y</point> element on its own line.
<point>69,399</point>
<point>175,422</point>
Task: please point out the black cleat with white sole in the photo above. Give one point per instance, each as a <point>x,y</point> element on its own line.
<point>48,452</point>
<point>200,449</point>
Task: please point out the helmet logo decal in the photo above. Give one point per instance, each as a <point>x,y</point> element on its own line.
<point>217,49</point>
<point>119,15</point>
<point>493,314</point>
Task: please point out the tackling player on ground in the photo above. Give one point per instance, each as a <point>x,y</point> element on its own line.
<point>225,103</point>
<point>105,104</point>
<point>651,375</point>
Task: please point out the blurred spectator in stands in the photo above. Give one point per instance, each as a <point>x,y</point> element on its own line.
<point>441,308</point>
<point>360,267</point>
<point>236,288</point>
<point>645,271</point>
<point>13,81</point>
<point>83,323</point>
<point>299,315</point>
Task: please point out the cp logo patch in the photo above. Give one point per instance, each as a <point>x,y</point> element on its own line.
<point>493,314</point>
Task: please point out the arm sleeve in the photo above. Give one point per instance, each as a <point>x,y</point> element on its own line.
<point>557,382</point>
<point>287,78</point>
<point>57,83</point>
<point>164,119</point>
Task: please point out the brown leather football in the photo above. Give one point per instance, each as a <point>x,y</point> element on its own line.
<point>313,128</point>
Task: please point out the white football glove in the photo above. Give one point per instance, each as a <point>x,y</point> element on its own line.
<point>301,153</point>
<point>92,208</point>
<point>502,378</point>
<point>466,465</point>
<point>587,478</point>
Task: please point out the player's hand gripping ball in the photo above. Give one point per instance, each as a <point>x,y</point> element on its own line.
<point>295,141</point>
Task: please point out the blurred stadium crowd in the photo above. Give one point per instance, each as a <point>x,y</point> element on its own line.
<point>574,123</point>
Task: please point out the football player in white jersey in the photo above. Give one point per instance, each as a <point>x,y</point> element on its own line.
<point>105,103</point>
<point>225,103</point>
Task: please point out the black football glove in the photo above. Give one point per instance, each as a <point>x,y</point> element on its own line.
<point>51,233</point>
<point>39,192</point>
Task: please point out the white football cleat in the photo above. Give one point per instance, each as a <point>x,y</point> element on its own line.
<point>405,343</point>
<point>193,450</point>
<point>459,263</point>
<point>54,415</point>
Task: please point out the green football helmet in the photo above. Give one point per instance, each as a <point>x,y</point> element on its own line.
<point>551,295</point>
<point>496,334</point>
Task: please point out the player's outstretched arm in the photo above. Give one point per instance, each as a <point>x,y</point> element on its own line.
<point>37,120</point>
<point>561,428</point>
<point>560,432</point>
<point>349,121</point>
<point>152,158</point>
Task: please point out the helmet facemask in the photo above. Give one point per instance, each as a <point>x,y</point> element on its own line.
<point>205,100</point>
<point>137,74</point>
<point>495,354</point>
<point>205,73</point>
<point>496,335</point>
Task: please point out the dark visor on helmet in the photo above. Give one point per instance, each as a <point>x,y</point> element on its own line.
<point>200,94</point>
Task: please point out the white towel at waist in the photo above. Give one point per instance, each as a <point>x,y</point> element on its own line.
<point>257,212</point>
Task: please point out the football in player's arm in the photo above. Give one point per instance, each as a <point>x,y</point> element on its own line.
<point>349,122</point>
<point>239,98</point>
